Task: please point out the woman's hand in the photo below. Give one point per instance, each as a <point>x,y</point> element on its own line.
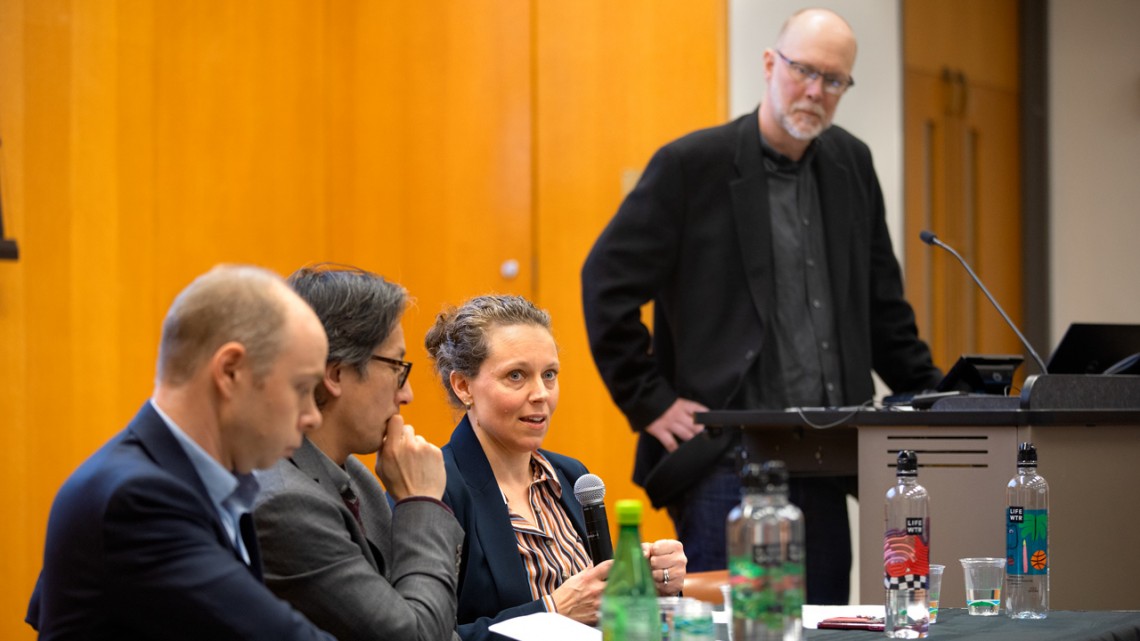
<point>580,596</point>
<point>667,561</point>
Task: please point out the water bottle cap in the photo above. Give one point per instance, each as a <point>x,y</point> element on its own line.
<point>907,463</point>
<point>764,475</point>
<point>1026,455</point>
<point>628,512</point>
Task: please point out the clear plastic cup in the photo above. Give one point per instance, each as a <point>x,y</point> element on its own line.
<point>669,606</point>
<point>934,590</point>
<point>984,578</point>
<point>693,621</point>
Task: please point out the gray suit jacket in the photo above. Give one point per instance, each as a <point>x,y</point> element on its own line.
<point>398,582</point>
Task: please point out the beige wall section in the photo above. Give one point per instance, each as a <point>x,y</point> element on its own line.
<point>1094,128</point>
<point>144,141</point>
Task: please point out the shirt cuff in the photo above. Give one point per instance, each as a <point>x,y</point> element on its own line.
<point>548,601</point>
<point>426,499</point>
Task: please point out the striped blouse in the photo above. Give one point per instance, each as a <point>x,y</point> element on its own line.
<point>551,549</point>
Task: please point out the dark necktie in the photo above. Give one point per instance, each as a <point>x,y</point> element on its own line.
<point>249,537</point>
<point>352,501</point>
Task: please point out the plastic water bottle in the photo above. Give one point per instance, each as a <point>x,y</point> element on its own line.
<point>629,601</point>
<point>1027,539</point>
<point>906,553</point>
<point>766,557</point>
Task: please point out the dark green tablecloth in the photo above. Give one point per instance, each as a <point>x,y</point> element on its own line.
<point>1059,626</point>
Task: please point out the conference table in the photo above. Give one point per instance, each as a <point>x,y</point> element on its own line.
<point>955,623</point>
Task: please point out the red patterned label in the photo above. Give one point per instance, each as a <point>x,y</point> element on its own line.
<point>906,555</point>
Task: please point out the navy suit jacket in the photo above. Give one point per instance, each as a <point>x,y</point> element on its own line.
<point>493,584</point>
<point>136,550</point>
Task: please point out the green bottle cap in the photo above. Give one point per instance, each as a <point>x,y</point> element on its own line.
<point>629,512</point>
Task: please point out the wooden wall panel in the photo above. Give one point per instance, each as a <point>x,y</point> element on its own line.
<point>140,301</point>
<point>145,140</point>
<point>22,504</point>
<point>46,250</point>
<point>449,164</point>
<point>963,176</point>
<point>238,125</point>
<point>978,37</point>
<point>615,81</point>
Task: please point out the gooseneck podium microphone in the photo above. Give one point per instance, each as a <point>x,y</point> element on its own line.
<point>929,238</point>
<point>589,490</point>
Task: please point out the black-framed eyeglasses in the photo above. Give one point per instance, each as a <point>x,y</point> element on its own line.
<point>402,374</point>
<point>833,84</point>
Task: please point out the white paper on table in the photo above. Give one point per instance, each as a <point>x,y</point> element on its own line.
<point>546,626</point>
<point>813,614</point>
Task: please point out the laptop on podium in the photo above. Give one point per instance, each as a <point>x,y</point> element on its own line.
<point>1097,348</point>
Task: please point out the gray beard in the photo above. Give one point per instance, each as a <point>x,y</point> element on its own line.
<point>798,133</point>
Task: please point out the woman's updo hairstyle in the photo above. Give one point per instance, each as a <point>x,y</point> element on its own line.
<point>458,341</point>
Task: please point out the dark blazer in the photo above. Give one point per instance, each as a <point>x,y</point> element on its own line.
<point>395,579</point>
<point>493,583</point>
<point>694,237</point>
<point>136,550</point>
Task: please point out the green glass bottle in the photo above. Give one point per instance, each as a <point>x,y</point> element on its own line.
<point>629,602</point>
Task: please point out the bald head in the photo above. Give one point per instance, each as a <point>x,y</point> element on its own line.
<point>820,31</point>
<point>230,303</point>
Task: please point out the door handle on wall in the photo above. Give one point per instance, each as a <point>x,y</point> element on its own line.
<point>957,92</point>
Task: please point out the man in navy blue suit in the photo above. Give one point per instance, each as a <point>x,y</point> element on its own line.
<point>151,537</point>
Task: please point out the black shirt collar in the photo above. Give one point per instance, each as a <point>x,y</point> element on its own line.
<point>777,161</point>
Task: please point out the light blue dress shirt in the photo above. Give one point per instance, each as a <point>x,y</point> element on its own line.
<point>232,494</point>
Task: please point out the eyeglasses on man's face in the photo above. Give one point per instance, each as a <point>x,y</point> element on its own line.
<point>403,368</point>
<point>833,84</point>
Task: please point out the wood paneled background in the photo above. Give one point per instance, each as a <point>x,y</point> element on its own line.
<point>963,178</point>
<point>431,141</point>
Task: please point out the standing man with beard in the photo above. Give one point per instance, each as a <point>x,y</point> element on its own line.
<point>764,247</point>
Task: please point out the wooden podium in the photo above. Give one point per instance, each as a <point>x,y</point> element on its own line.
<point>1087,433</point>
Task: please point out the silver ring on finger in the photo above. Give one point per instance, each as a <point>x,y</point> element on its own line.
<point>665,573</point>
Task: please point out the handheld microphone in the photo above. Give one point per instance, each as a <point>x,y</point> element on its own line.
<point>929,238</point>
<point>590,490</point>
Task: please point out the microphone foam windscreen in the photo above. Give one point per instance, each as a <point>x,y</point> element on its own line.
<point>589,489</point>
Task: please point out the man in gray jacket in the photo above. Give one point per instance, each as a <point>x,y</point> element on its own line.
<point>331,544</point>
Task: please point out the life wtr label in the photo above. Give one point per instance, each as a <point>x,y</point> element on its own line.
<point>906,555</point>
<point>914,526</point>
<point>1026,541</point>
